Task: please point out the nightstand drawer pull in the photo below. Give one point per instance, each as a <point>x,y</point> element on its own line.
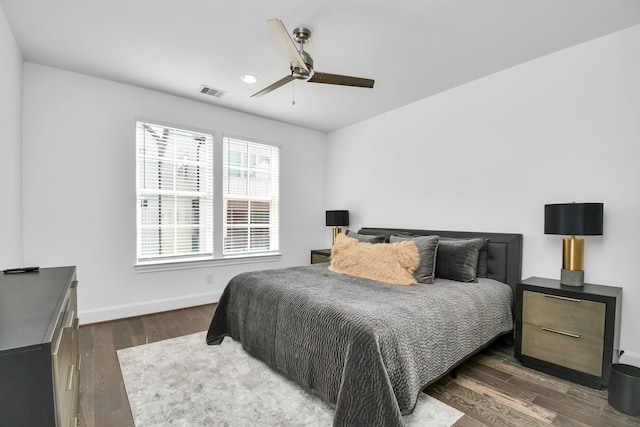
<point>563,298</point>
<point>555,331</point>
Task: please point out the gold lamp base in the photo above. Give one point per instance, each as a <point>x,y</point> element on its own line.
<point>336,231</point>
<point>572,273</point>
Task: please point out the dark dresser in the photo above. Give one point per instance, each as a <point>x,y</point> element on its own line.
<point>39,355</point>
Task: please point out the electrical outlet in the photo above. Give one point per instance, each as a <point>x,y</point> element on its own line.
<point>209,278</point>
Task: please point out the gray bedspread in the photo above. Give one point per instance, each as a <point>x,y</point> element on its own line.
<point>365,346</point>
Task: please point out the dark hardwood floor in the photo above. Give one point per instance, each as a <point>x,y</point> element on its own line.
<point>491,389</point>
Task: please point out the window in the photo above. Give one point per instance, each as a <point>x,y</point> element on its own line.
<point>175,196</point>
<point>251,197</point>
<point>174,193</point>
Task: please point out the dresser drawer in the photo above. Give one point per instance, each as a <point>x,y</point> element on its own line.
<point>577,316</point>
<point>64,370</point>
<point>65,359</point>
<point>579,353</point>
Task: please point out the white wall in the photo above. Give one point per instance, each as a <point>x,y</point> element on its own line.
<point>488,156</point>
<point>79,189</point>
<point>10,148</point>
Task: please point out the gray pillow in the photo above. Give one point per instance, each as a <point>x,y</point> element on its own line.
<point>482,269</point>
<point>427,248</point>
<point>457,259</point>
<point>483,260</point>
<point>365,237</point>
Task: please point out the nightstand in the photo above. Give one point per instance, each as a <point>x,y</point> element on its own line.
<point>320,255</point>
<point>571,332</point>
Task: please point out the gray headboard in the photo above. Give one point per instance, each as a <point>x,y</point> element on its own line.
<point>504,251</point>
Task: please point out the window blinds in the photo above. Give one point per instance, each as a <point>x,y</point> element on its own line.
<point>174,193</point>
<point>251,197</point>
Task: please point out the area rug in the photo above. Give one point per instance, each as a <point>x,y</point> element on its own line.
<point>184,382</point>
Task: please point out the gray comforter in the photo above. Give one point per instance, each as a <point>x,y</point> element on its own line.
<point>365,346</point>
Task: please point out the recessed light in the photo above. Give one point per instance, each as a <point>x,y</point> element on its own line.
<point>248,78</point>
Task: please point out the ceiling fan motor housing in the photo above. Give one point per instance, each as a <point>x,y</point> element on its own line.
<point>301,73</point>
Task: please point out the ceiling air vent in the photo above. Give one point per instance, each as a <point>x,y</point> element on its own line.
<point>208,90</point>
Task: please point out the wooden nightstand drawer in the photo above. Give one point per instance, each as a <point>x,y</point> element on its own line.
<point>577,316</point>
<point>556,346</point>
<point>571,332</point>
<point>317,259</point>
<point>319,256</point>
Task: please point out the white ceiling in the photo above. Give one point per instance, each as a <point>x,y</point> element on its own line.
<point>412,48</point>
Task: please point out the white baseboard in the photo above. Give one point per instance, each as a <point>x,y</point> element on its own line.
<point>147,307</point>
<point>630,359</point>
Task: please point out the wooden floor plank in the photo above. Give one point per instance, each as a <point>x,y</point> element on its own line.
<point>121,332</point>
<point>487,370</point>
<point>86,396</point>
<point>512,368</point>
<point>482,408</point>
<point>562,421</point>
<point>597,397</point>
<point>501,385</point>
<point>467,421</point>
<point>107,376</point>
<point>522,406</point>
<point>584,414</point>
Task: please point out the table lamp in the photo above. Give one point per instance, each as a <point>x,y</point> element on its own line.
<point>337,219</point>
<point>573,219</point>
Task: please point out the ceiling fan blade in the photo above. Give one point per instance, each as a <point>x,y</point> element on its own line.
<point>337,79</point>
<point>287,43</point>
<point>283,81</point>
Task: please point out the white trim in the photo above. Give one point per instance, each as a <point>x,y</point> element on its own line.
<point>630,359</point>
<point>218,199</point>
<point>173,125</point>
<point>184,265</point>
<point>148,307</point>
<point>249,139</point>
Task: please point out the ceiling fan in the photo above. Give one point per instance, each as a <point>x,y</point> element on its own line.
<point>301,63</point>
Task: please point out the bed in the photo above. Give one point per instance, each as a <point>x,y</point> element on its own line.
<point>370,347</point>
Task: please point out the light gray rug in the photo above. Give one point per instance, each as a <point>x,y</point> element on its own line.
<point>184,382</point>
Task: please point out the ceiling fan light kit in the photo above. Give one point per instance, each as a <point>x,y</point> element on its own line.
<point>301,63</point>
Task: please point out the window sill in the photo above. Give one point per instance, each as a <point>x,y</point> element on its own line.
<point>205,263</point>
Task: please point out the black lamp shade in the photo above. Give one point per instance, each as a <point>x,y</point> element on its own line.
<point>573,219</point>
<point>337,218</point>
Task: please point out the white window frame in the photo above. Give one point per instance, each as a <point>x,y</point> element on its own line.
<point>271,197</point>
<point>180,140</point>
<point>218,256</point>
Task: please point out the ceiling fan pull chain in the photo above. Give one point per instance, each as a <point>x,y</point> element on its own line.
<point>293,93</point>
